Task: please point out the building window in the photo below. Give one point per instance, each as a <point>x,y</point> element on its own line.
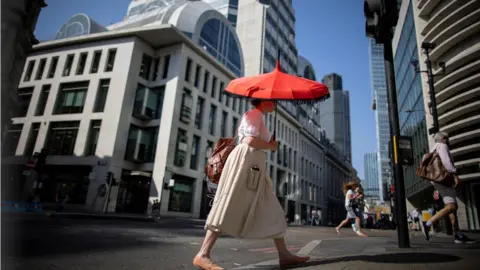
<point>29,71</point>
<point>148,102</point>
<point>110,60</point>
<point>221,93</point>
<point>214,87</point>
<point>206,77</point>
<point>186,108</point>
<point>53,67</point>
<point>199,113</point>
<point>42,100</point>
<point>9,146</point>
<point>188,70</point>
<point>32,139</point>
<point>92,140</point>
<point>223,125</point>
<point>102,93</point>
<point>208,151</point>
<point>41,69</point>
<point>62,137</point>
<point>156,64</point>
<point>145,67</point>
<point>71,97</point>
<point>68,65</point>
<point>96,61</point>
<point>141,144</point>
<point>295,160</point>
<point>81,63</point>
<point>166,65</point>
<point>211,119</point>
<point>181,196</point>
<point>181,148</point>
<point>194,154</point>
<point>234,125</point>
<point>196,81</point>
<point>24,96</point>
<point>234,104</point>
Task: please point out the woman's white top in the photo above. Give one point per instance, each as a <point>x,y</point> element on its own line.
<point>252,125</point>
<point>349,192</point>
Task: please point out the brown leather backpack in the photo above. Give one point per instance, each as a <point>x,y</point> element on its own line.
<point>221,151</point>
<point>431,168</point>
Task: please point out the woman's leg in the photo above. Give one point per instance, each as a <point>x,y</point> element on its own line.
<point>285,257</point>
<point>343,223</point>
<point>359,231</point>
<point>202,259</point>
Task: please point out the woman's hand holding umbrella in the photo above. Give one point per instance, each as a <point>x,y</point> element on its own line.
<point>274,144</point>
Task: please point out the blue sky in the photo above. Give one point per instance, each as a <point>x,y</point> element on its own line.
<point>331,34</point>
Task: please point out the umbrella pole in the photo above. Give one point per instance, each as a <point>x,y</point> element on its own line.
<point>275,122</point>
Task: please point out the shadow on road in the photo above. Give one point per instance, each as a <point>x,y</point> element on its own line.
<point>62,238</point>
<point>393,258</point>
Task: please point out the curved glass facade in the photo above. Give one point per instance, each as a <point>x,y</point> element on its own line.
<point>140,7</point>
<point>410,101</point>
<point>77,25</point>
<point>218,40</point>
<point>308,73</point>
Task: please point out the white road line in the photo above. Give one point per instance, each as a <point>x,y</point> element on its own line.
<point>309,247</point>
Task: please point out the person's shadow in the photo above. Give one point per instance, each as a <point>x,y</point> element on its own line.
<point>393,258</point>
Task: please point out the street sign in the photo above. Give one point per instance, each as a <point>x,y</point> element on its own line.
<point>403,150</point>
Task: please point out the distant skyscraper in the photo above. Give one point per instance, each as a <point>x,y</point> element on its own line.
<point>379,93</point>
<point>335,114</point>
<point>371,187</point>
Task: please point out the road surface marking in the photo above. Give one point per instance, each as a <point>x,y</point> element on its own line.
<point>309,247</point>
<point>274,251</point>
<point>265,250</point>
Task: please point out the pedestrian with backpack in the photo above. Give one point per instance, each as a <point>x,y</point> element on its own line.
<point>438,168</point>
<point>245,204</point>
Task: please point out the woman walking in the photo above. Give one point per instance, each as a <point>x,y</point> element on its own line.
<point>352,207</point>
<point>245,205</point>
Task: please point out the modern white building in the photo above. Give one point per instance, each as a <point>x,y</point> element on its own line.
<point>454,27</point>
<point>144,103</point>
<point>142,99</point>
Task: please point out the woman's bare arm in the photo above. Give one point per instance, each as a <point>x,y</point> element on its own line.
<point>257,143</point>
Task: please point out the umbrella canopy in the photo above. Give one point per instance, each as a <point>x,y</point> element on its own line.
<point>277,85</point>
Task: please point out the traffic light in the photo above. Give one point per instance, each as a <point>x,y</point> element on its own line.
<point>381,16</point>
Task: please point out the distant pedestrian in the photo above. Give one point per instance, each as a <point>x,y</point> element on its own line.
<point>416,219</point>
<point>314,218</point>
<point>61,197</point>
<point>352,208</point>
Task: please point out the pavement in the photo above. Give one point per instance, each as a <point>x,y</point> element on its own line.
<point>41,242</point>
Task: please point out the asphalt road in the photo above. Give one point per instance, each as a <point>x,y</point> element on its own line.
<point>60,243</point>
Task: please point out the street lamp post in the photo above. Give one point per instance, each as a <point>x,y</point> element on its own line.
<point>427,47</point>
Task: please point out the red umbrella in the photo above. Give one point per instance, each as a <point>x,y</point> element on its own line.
<point>277,85</point>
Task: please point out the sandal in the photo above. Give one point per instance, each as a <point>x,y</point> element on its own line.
<point>206,264</point>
